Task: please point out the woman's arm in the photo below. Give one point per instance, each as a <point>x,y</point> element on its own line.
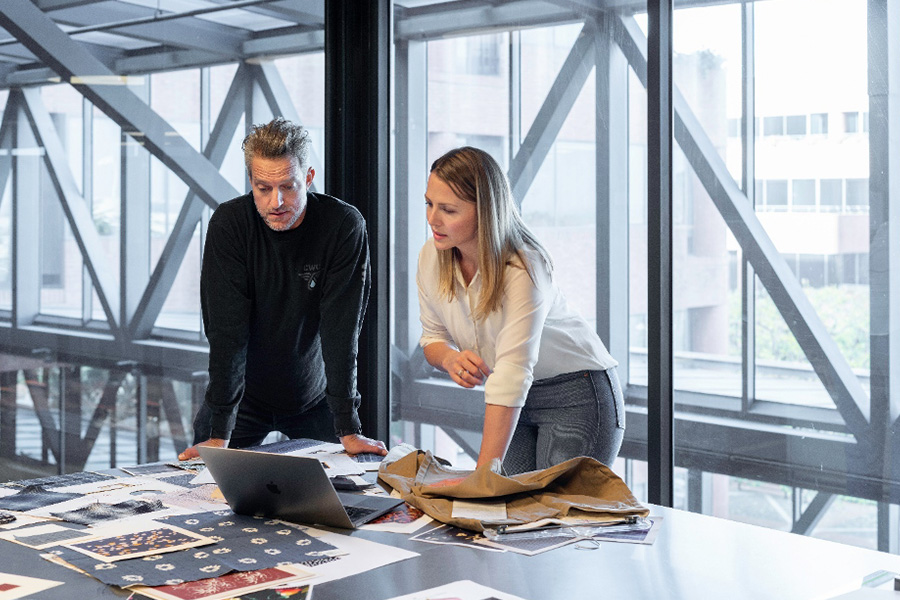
<point>499,425</point>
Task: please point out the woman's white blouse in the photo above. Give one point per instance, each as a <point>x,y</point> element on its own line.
<point>534,334</point>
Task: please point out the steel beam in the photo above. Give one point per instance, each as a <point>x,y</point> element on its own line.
<point>271,84</point>
<point>144,23</point>
<point>457,19</point>
<point>813,513</point>
<point>357,127</point>
<point>179,241</point>
<point>78,214</point>
<point>134,235</point>
<point>552,114</point>
<point>410,176</point>
<point>7,126</point>
<point>748,166</point>
<point>96,82</point>
<point>884,229</point>
<point>660,362</point>
<point>773,271</point>
<point>26,263</point>
<point>612,204</point>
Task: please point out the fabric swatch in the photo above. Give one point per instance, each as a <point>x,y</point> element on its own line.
<point>286,446</point>
<point>183,479</point>
<point>193,496</point>
<point>55,481</point>
<point>34,496</point>
<point>99,511</point>
<point>146,542</point>
<point>226,587</point>
<point>55,537</point>
<point>242,544</point>
<point>150,469</point>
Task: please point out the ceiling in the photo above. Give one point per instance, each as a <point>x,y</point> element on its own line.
<point>143,36</point>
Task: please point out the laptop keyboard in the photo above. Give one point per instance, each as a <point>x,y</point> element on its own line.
<point>358,513</point>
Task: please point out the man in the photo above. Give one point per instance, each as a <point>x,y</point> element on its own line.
<point>283,291</point>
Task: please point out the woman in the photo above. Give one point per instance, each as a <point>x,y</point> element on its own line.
<point>491,314</point>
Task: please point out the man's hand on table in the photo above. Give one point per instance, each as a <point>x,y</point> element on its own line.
<point>360,444</point>
<point>193,453</point>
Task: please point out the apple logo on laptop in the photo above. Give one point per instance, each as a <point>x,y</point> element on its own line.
<point>273,488</point>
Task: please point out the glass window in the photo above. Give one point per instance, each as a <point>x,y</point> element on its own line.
<point>818,123</point>
<point>858,193</point>
<point>803,194</point>
<point>776,193</point>
<point>851,122</point>
<point>773,125</point>
<point>796,125</point>
<point>831,192</point>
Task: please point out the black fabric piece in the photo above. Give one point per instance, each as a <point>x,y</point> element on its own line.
<point>34,496</point>
<point>56,537</point>
<point>242,544</point>
<point>98,511</point>
<point>283,309</point>
<point>285,446</point>
<point>54,481</point>
<point>182,480</point>
<point>150,469</point>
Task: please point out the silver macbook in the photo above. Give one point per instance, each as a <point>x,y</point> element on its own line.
<point>293,488</point>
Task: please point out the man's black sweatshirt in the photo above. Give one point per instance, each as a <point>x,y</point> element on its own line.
<point>283,310</point>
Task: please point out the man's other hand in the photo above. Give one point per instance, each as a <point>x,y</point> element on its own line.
<point>359,444</point>
<point>193,453</point>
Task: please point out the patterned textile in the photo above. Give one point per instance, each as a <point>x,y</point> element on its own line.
<point>285,446</point>
<point>243,544</point>
<point>98,511</point>
<point>32,497</point>
<point>55,481</point>
<point>151,469</point>
<point>184,480</point>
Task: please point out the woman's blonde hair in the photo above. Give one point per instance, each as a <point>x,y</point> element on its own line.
<point>475,176</point>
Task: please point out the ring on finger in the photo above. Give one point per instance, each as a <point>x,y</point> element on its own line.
<point>460,372</point>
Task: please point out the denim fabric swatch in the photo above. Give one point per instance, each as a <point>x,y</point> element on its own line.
<point>242,544</point>
<point>98,511</point>
<point>285,446</point>
<point>34,496</point>
<point>55,481</point>
<point>150,469</point>
<point>184,480</point>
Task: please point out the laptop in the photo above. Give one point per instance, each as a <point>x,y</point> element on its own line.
<point>293,488</point>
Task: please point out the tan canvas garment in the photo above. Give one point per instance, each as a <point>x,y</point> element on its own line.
<point>578,488</point>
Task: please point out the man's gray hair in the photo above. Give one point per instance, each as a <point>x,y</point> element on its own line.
<point>276,139</point>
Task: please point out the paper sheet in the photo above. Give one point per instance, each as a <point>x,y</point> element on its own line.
<point>19,586</point>
<point>360,556</point>
<point>459,590</point>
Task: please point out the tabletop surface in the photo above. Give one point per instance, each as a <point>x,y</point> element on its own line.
<point>694,557</point>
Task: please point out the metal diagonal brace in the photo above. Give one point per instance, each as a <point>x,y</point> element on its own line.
<point>77,212</point>
<point>69,59</point>
<point>553,113</point>
<point>170,260</point>
<point>773,271</point>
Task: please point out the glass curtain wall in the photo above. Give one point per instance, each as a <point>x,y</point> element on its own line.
<point>530,96</point>
<point>768,310</point>
<point>770,235</point>
<point>71,414</point>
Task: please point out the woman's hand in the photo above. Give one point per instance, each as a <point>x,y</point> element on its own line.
<point>466,368</point>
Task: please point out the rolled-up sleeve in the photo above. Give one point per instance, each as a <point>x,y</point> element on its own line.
<point>525,308</point>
